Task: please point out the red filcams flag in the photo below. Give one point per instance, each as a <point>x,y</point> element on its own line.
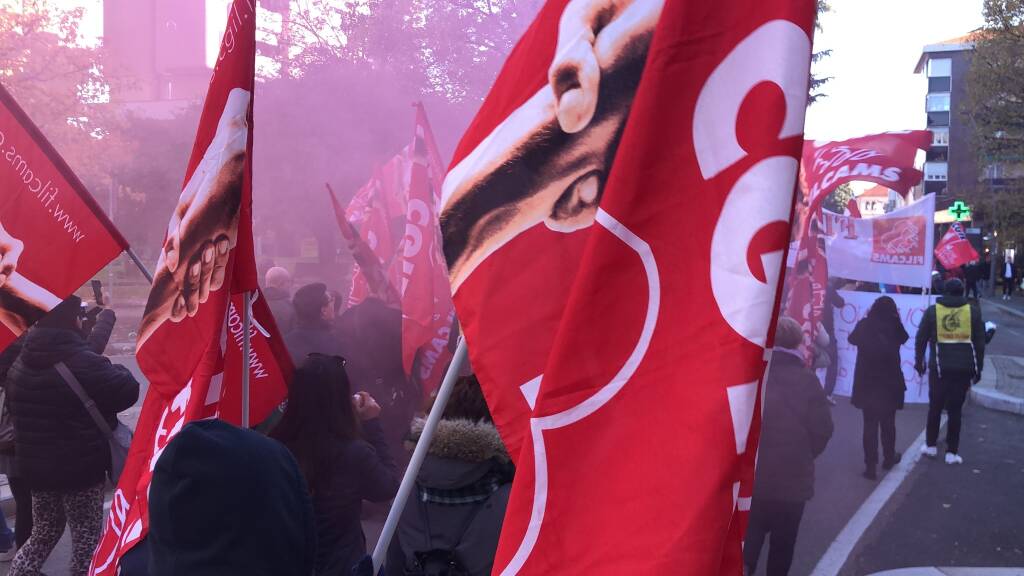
<point>53,236</point>
<point>615,223</point>
<point>204,272</point>
<point>955,250</point>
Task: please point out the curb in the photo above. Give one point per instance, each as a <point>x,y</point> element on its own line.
<point>995,400</point>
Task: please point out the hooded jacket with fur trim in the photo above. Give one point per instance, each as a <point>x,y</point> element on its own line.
<point>460,498</point>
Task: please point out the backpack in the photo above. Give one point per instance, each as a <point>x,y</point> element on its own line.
<point>442,561</point>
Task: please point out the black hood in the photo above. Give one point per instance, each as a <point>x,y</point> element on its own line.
<point>952,301</point>
<point>229,502</point>
<point>44,347</point>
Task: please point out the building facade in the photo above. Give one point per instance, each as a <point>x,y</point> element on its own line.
<point>156,50</point>
<point>951,167</point>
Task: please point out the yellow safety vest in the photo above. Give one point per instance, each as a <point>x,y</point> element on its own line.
<point>953,325</point>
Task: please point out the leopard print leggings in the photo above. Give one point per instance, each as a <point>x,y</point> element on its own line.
<point>82,511</point>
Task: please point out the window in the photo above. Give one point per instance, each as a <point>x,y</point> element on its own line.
<point>938,119</point>
<point>935,171</point>
<point>940,67</point>
<point>940,136</point>
<point>938,102</point>
<point>941,84</point>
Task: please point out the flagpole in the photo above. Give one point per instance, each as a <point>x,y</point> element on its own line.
<point>418,455</point>
<point>246,344</point>
<point>138,263</point>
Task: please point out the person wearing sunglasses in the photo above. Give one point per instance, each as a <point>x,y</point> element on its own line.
<point>336,437</point>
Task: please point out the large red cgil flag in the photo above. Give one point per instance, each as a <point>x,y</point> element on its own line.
<point>190,343</point>
<point>615,224</point>
<point>53,235</point>
<point>427,310</point>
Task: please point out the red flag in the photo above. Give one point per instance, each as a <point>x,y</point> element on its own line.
<point>53,236</point>
<point>427,309</point>
<point>615,224</point>
<point>809,285</point>
<point>886,159</point>
<point>203,273</point>
<point>853,208</point>
<point>955,250</point>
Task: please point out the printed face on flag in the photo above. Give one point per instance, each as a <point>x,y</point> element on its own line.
<point>204,226</point>
<point>549,160</point>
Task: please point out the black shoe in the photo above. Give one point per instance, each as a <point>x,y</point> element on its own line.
<point>870,473</point>
<point>890,464</point>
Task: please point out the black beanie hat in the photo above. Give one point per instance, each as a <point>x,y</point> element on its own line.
<point>229,502</point>
<point>953,287</point>
<point>309,301</point>
<point>64,314</point>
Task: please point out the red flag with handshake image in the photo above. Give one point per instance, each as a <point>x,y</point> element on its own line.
<point>53,236</point>
<point>190,342</point>
<point>955,250</point>
<point>615,224</point>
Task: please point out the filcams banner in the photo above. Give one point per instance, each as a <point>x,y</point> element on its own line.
<point>53,236</point>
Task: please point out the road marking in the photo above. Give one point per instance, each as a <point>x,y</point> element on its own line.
<point>839,551</point>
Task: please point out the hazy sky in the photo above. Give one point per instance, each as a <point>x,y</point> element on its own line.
<point>876,44</point>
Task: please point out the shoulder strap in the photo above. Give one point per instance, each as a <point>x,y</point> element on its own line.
<point>87,402</point>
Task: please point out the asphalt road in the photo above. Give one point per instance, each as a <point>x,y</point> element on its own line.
<point>968,515</point>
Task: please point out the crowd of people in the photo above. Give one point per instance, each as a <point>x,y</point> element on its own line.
<point>797,425</point>
<point>352,418</point>
<point>342,439</point>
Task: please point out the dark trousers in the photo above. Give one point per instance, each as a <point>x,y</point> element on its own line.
<point>946,393</point>
<point>832,372</point>
<point>22,510</point>
<point>781,519</point>
<point>873,422</point>
<point>1007,286</point>
<point>972,289</point>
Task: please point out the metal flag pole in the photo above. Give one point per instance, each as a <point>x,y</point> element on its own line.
<point>246,344</point>
<point>142,268</point>
<point>418,455</point>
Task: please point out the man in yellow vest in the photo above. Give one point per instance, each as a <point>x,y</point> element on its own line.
<point>954,334</point>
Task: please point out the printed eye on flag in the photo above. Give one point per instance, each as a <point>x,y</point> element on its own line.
<point>53,236</point>
<point>190,343</point>
<point>615,224</point>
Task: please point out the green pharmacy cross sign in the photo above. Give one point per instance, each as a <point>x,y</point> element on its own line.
<point>960,211</point>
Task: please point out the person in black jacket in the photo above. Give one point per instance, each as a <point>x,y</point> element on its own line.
<point>953,332</point>
<point>370,334</point>
<point>314,324</point>
<point>878,383</point>
<point>796,428</point>
<point>228,502</point>
<point>340,448</point>
<point>461,492</point>
<point>59,451</point>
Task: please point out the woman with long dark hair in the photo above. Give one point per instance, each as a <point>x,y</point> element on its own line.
<point>878,383</point>
<point>338,443</point>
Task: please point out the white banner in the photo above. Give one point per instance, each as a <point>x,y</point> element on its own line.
<point>897,248</point>
<point>911,308</point>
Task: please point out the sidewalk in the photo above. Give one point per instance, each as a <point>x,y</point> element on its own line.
<point>1002,384</point>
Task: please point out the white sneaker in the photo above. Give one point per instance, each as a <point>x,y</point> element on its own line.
<point>952,458</point>
<point>930,451</point>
